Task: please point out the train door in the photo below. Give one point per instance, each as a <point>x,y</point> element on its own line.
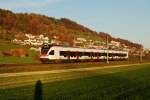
<point>68,55</point>
<point>91,54</point>
<point>77,53</point>
<point>97,54</point>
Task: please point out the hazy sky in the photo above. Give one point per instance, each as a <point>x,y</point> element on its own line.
<point>128,19</point>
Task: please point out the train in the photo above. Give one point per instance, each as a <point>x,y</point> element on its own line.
<point>56,53</point>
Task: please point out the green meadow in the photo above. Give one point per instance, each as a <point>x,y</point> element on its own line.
<point>122,83</point>
<point>7,45</point>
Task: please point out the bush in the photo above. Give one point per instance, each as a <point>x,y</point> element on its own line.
<point>8,37</point>
<point>15,52</point>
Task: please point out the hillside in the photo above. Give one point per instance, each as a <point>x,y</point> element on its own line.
<point>128,43</point>
<point>11,23</point>
<point>14,24</point>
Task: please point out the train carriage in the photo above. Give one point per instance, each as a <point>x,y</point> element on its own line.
<point>54,53</point>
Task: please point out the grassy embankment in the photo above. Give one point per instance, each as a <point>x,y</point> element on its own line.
<point>6,45</point>
<point>124,83</point>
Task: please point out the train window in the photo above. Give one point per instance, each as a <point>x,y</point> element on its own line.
<point>91,54</point>
<point>80,54</point>
<point>103,54</point>
<point>86,53</point>
<point>111,54</point>
<point>94,54</point>
<point>99,54</point>
<point>63,53</point>
<point>51,52</point>
<point>73,54</point>
<point>122,55</point>
<point>45,49</point>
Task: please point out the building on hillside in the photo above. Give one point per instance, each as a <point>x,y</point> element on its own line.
<point>30,36</point>
<point>81,39</point>
<point>115,43</point>
<point>56,42</point>
<point>33,40</point>
<point>18,41</point>
<point>79,42</point>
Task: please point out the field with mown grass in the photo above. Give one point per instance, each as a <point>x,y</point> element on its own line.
<point>120,83</point>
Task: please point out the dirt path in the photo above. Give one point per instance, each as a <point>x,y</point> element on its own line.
<point>62,70</point>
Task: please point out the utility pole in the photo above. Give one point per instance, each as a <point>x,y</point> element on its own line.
<point>107,61</point>
<point>141,55</point>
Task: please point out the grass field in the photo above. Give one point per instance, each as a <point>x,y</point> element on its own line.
<point>7,45</point>
<point>123,83</point>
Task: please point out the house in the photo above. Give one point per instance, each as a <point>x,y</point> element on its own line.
<point>81,39</point>
<point>57,42</point>
<point>115,43</point>
<point>33,40</point>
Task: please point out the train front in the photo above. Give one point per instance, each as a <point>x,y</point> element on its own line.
<point>46,53</point>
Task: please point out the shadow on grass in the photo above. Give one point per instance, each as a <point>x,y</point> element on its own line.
<point>38,91</point>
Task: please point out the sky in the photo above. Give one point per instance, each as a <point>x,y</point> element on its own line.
<point>127,19</point>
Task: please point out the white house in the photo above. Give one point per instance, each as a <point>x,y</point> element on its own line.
<point>33,40</point>
<point>115,43</point>
<point>81,39</point>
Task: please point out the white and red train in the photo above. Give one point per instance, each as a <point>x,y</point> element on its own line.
<point>54,53</point>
